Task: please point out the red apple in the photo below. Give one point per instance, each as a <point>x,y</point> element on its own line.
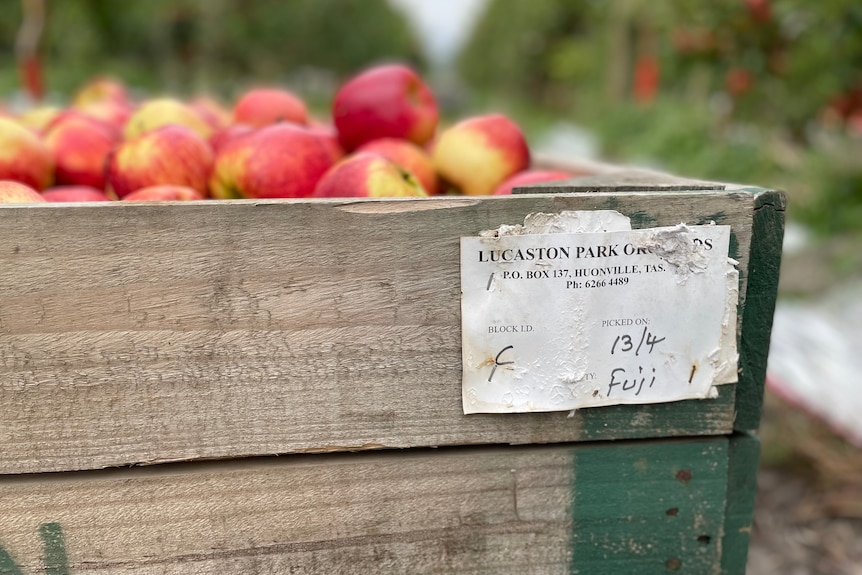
<point>221,138</point>
<point>385,101</point>
<point>18,193</point>
<point>278,161</point>
<point>329,137</point>
<point>23,156</point>
<point>260,107</point>
<point>80,145</point>
<point>74,194</point>
<point>528,177</point>
<point>160,112</point>
<point>410,157</point>
<point>169,155</point>
<point>367,175</point>
<point>212,112</point>
<point>78,114</point>
<point>477,154</point>
<point>164,194</point>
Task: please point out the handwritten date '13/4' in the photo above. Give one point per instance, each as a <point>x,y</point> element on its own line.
<point>626,344</point>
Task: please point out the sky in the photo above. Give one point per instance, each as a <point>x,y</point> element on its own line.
<point>442,25</point>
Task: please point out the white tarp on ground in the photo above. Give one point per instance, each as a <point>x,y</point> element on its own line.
<point>815,358</point>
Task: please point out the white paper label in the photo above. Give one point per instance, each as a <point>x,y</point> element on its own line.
<point>561,321</point>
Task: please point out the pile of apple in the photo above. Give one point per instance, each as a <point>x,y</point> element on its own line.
<point>384,140</point>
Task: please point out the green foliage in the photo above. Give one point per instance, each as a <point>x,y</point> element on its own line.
<point>687,140</point>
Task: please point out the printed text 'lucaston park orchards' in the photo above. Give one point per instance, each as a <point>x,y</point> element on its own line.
<point>578,277</point>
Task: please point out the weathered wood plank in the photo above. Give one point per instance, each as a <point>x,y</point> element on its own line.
<point>622,180</point>
<point>608,508</point>
<point>149,333</point>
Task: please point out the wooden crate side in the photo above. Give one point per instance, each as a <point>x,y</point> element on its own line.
<point>758,310</point>
<point>744,456</point>
<point>150,333</point>
<point>611,508</point>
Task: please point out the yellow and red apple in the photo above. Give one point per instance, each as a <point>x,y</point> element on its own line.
<point>80,145</point>
<point>221,137</point>
<point>277,161</point>
<point>101,89</point>
<point>12,192</point>
<point>211,111</point>
<point>478,153</point>
<point>169,155</point>
<point>410,157</point>
<point>529,177</point>
<point>160,112</point>
<point>74,194</point>
<point>116,114</point>
<point>164,194</point>
<point>37,119</point>
<point>23,156</point>
<point>370,175</point>
<point>329,137</point>
<point>384,101</point>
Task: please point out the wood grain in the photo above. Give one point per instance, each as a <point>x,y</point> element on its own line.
<point>147,333</point>
<point>630,507</point>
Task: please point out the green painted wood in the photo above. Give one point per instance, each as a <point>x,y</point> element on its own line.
<point>706,416</point>
<point>759,307</point>
<point>8,565</point>
<point>55,561</point>
<point>649,507</point>
<point>741,489</point>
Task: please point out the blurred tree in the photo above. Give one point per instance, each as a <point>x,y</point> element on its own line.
<point>528,49</point>
<point>766,91</point>
<point>336,35</point>
<point>183,45</point>
<point>776,62</point>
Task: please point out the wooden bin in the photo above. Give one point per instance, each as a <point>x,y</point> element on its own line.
<point>274,387</point>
